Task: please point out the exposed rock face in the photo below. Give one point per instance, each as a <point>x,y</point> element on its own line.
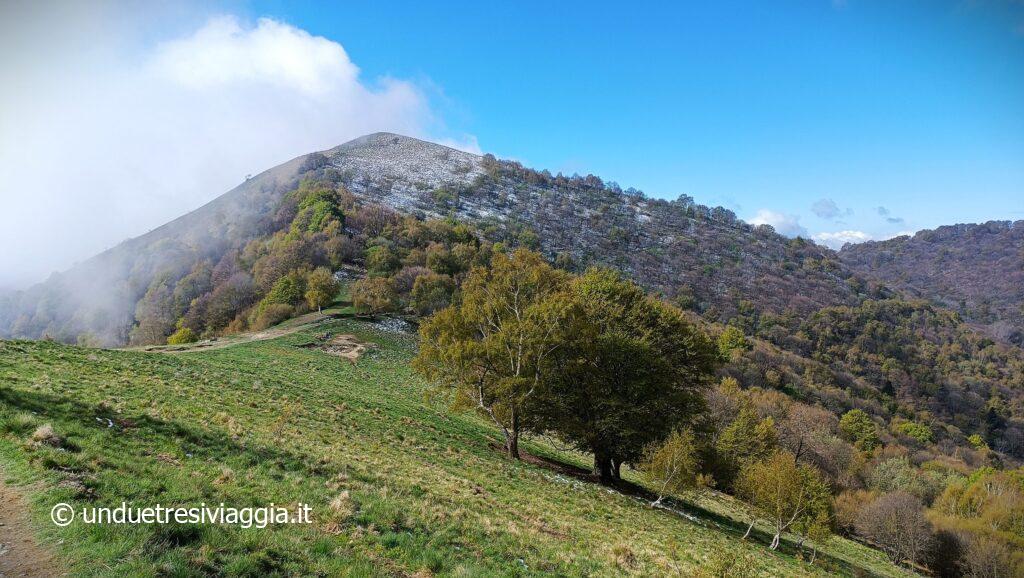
<point>977,270</point>
<point>727,265</point>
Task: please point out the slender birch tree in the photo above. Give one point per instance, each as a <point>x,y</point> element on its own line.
<point>491,347</point>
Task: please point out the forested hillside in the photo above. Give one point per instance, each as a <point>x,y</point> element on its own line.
<point>975,270</point>
<point>878,404</point>
<point>699,255</point>
<point>414,218</point>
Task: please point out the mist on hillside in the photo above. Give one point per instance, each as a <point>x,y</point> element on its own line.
<point>107,136</point>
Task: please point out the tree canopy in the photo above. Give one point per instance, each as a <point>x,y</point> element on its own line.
<point>637,369</point>
<point>492,347</point>
<point>784,493</point>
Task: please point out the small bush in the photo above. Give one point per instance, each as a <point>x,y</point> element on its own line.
<point>272,314</point>
<point>373,295</point>
<point>726,564</point>
<point>917,431</point>
<point>183,335</point>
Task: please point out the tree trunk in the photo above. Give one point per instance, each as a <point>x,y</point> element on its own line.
<point>602,466</point>
<point>616,469</point>
<point>512,445</point>
<point>775,542</point>
<point>512,437</point>
<point>749,528</point>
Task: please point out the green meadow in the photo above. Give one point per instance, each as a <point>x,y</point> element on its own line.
<point>399,485</point>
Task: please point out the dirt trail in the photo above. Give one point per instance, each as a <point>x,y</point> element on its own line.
<point>20,554</point>
<point>294,325</point>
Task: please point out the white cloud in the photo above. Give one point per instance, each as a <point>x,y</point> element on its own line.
<point>223,53</point>
<point>108,133</point>
<point>784,224</point>
<point>464,142</point>
<point>900,234</point>
<point>839,238</point>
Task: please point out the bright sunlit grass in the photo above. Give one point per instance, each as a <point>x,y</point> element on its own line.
<point>399,485</point>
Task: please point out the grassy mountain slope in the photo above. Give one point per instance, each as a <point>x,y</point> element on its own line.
<point>398,485</point>
<point>724,264</point>
<point>976,270</point>
<point>213,266</point>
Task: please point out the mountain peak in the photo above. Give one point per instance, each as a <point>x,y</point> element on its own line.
<point>401,167</point>
<point>393,143</point>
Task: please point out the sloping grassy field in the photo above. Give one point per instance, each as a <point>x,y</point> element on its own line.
<point>398,484</point>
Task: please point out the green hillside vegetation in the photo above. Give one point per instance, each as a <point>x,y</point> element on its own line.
<point>398,483</point>
<point>974,269</point>
<point>892,421</point>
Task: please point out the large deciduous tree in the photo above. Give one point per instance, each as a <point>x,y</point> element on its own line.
<point>635,371</point>
<point>492,347</point>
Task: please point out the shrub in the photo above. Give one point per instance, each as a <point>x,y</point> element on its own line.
<point>432,292</point>
<point>730,340</point>
<point>858,428</point>
<point>271,314</point>
<point>381,261</point>
<point>342,250</point>
<point>289,289</point>
<point>989,558</point>
<point>977,442</point>
<point>321,288</point>
<point>848,505</point>
<point>746,440</point>
<point>402,282</point>
<point>896,522</point>
<point>45,435</point>
<point>898,474</point>
<point>373,295</point>
<point>181,336</point>
<point>672,466</point>
<point>785,493</point>
<point>917,431</point>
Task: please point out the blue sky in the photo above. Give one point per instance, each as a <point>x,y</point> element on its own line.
<point>842,121</point>
<point>917,107</point>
